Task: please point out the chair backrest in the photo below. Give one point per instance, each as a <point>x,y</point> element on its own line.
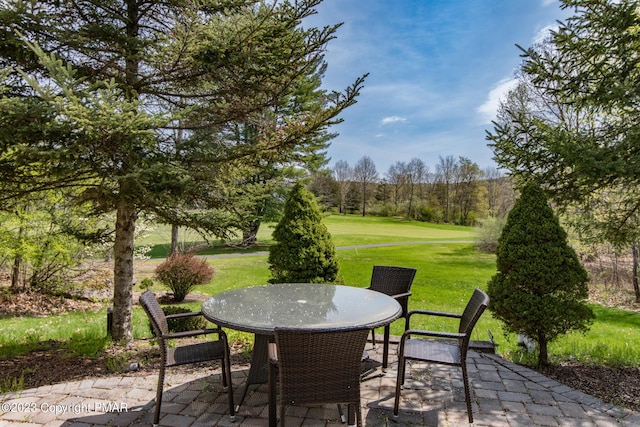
<point>156,315</point>
<point>393,280</point>
<point>472,312</point>
<point>320,366</point>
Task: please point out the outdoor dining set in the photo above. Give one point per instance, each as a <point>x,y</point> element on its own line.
<point>309,339</point>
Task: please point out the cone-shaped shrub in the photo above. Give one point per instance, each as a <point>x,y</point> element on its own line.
<point>304,251</point>
<point>541,287</point>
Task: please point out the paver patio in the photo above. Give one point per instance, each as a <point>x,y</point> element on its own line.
<point>504,394</point>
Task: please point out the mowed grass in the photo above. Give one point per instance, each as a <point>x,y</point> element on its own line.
<point>346,230</point>
<point>448,266</point>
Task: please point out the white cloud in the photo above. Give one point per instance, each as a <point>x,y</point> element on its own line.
<point>544,33</point>
<point>392,119</point>
<point>489,108</point>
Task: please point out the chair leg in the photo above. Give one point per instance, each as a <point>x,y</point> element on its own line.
<point>343,420</point>
<point>224,368</point>
<point>226,382</point>
<point>156,416</point>
<point>273,415</point>
<point>357,421</point>
<point>351,415</point>
<point>399,382</point>
<point>385,348</point>
<point>467,394</point>
<point>373,337</point>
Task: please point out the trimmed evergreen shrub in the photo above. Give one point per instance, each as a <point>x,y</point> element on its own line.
<point>304,251</point>
<point>182,272</point>
<point>541,287</point>
<point>183,324</point>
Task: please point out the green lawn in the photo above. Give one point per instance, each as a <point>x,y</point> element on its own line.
<point>449,268</point>
<point>346,230</point>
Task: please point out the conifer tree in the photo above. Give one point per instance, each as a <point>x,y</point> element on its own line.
<point>540,287</point>
<point>304,251</point>
<point>129,104</point>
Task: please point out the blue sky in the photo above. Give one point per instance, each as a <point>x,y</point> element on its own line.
<point>437,69</point>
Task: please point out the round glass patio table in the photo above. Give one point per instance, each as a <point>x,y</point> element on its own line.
<point>261,309</point>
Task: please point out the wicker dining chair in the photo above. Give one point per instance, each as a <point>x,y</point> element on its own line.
<point>316,367</point>
<point>443,347</point>
<point>186,354</point>
<point>395,282</point>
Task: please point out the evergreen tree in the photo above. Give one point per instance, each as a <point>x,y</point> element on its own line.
<point>540,286</point>
<point>128,103</point>
<point>304,251</point>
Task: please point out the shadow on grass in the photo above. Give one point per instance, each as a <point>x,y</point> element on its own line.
<point>163,250</point>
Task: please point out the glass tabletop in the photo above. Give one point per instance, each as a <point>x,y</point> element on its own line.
<point>260,309</point>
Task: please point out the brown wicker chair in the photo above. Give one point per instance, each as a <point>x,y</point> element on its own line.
<point>316,367</point>
<point>395,282</point>
<point>186,354</point>
<point>443,348</point>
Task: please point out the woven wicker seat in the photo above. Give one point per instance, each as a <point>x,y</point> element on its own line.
<point>186,354</point>
<point>316,367</point>
<point>395,282</point>
<point>442,348</point>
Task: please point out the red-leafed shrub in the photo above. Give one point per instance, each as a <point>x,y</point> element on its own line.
<point>181,272</point>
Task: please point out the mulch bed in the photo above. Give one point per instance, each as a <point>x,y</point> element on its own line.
<point>52,364</point>
<point>619,386</point>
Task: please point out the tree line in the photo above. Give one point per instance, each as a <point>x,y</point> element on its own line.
<point>456,191</point>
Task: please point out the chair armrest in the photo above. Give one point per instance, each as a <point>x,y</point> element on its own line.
<point>272,353</point>
<point>181,315</point>
<point>402,295</point>
<point>194,333</point>
<point>191,314</point>
<point>428,313</point>
<point>434,313</point>
<point>435,334</point>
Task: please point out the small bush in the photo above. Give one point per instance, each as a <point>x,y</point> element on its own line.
<point>488,232</point>
<point>183,324</point>
<point>182,272</point>
<point>11,384</point>
<point>146,284</point>
<point>429,214</point>
<point>116,363</point>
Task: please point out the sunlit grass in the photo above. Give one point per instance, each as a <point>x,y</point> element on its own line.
<point>86,330</point>
<point>346,230</point>
<point>447,275</point>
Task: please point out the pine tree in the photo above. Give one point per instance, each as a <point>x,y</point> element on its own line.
<point>540,286</point>
<point>304,251</point>
<point>129,105</point>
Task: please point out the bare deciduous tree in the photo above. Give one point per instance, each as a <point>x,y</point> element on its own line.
<point>365,174</point>
<point>344,175</point>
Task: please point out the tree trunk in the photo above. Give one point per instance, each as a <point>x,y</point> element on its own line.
<point>636,286</point>
<point>543,358</point>
<point>446,203</point>
<point>15,273</point>
<point>121,328</point>
<point>250,235</point>
<point>174,239</point>
<point>364,198</point>
<point>17,263</point>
